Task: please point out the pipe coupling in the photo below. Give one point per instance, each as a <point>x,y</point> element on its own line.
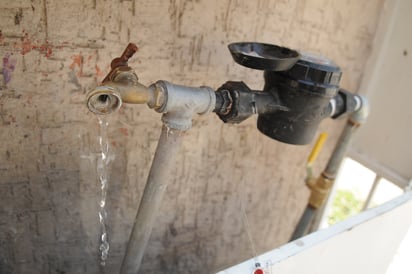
<point>361,114</point>
<point>320,189</point>
<point>181,103</point>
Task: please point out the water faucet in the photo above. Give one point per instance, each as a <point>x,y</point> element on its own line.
<point>178,103</point>
<point>300,91</point>
<point>121,85</point>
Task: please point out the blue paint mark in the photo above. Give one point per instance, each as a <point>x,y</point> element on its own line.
<point>9,64</point>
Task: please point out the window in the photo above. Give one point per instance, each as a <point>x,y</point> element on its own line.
<point>356,188</point>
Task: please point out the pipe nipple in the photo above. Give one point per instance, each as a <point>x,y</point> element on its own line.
<point>104,100</point>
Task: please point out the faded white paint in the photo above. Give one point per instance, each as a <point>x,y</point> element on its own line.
<point>365,243</point>
<point>383,142</point>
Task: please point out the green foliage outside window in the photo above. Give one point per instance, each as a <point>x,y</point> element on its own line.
<point>344,205</point>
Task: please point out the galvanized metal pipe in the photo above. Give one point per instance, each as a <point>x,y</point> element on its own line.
<point>304,223</point>
<point>157,181</point>
<point>310,221</point>
<point>308,218</point>
<point>333,165</point>
<point>371,192</point>
<point>340,150</point>
<point>355,120</point>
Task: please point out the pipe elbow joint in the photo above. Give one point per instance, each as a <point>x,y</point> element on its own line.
<point>346,104</point>
<point>362,112</point>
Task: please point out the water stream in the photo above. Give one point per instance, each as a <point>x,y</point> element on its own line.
<point>102,170</point>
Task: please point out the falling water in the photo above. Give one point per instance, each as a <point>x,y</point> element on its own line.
<point>103,161</point>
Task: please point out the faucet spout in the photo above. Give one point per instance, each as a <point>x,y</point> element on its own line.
<point>120,85</point>
<point>104,100</point>
<point>109,96</point>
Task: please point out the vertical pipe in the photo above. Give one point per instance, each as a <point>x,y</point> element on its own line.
<point>333,165</point>
<point>312,216</point>
<point>303,224</point>
<point>355,120</point>
<point>371,192</point>
<point>340,150</point>
<point>157,181</point>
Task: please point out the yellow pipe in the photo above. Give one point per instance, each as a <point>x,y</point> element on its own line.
<point>317,148</point>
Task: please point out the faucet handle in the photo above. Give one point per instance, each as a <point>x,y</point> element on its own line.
<point>121,61</point>
<point>124,58</point>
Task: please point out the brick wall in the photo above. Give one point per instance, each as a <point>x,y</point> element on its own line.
<point>53,52</point>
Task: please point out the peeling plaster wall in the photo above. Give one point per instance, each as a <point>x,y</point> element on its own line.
<point>53,52</point>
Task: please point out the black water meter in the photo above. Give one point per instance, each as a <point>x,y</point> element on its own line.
<point>306,89</point>
<point>301,85</point>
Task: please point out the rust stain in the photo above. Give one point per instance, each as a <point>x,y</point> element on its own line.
<point>77,61</point>
<point>124,131</point>
<point>45,49</point>
<point>99,72</point>
<point>27,45</point>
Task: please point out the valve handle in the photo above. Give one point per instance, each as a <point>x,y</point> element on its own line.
<point>124,58</point>
<point>121,61</point>
<point>314,154</point>
<point>317,148</point>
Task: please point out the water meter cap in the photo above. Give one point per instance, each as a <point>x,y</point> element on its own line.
<point>263,56</point>
<point>315,70</point>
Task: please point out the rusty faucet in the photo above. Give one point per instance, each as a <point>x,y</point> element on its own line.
<point>120,85</point>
